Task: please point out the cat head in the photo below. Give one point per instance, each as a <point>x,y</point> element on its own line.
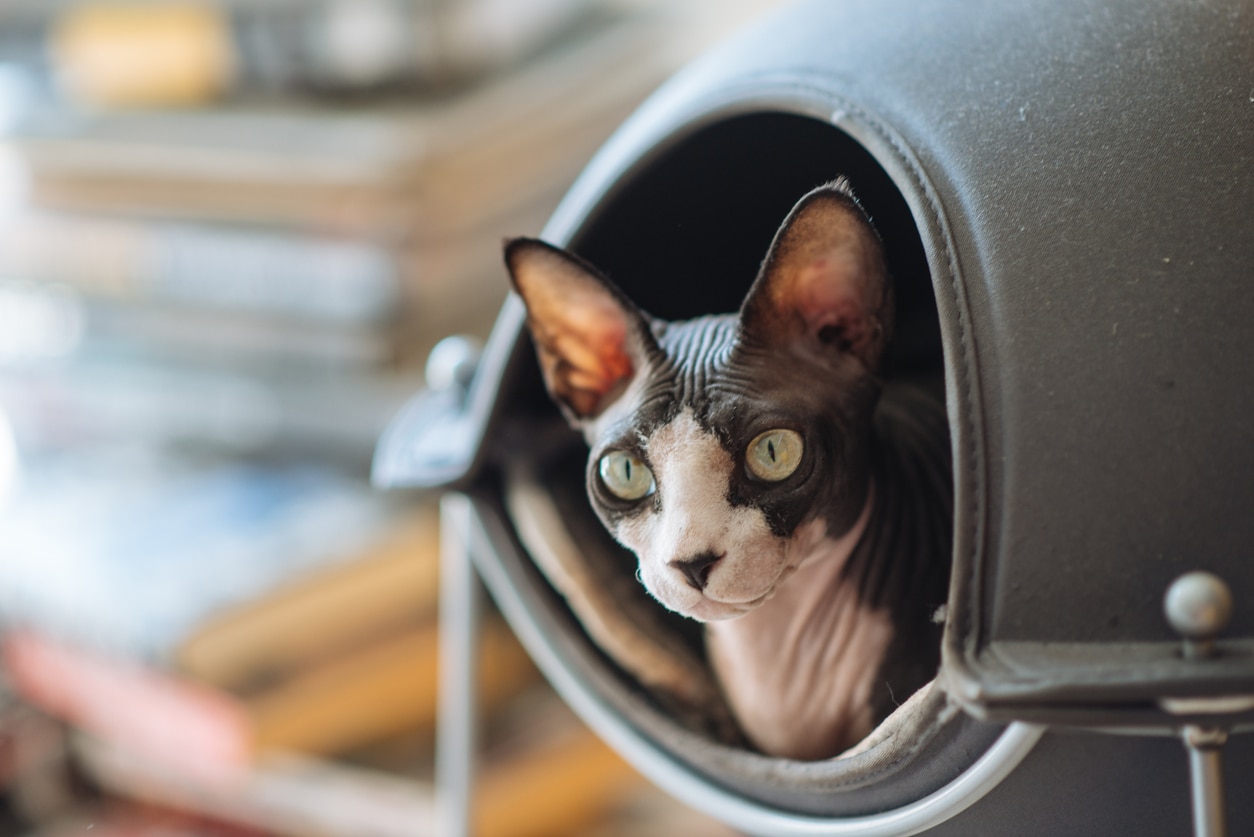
<point>723,449</point>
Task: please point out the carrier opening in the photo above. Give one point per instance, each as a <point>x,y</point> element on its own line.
<point>683,235</point>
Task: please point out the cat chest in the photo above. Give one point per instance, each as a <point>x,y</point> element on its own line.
<point>802,672</point>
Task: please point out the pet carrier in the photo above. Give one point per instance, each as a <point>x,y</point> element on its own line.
<point>1066,197</point>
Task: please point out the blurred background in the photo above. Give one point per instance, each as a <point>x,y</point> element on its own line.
<point>230,233</point>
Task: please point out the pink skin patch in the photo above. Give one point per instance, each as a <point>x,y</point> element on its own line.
<point>825,297</point>
<point>581,331</point>
<point>613,362</point>
<point>584,353</point>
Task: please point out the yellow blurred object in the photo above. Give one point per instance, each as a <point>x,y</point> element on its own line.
<point>383,690</point>
<point>559,790</point>
<point>143,54</point>
<point>392,583</point>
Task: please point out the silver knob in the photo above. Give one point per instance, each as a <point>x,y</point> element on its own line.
<point>452,363</point>
<point>1199,607</point>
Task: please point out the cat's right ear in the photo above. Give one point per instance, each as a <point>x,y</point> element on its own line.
<point>589,338</point>
<point>824,284</point>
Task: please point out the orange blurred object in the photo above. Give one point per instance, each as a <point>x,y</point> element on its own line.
<point>143,54</point>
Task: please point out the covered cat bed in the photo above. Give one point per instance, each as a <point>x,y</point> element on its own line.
<point>1066,200</point>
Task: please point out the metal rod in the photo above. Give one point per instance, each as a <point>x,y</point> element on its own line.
<point>456,738</point>
<point>1206,775</point>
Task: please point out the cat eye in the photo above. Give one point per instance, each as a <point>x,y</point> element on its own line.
<point>774,455</point>
<point>626,476</point>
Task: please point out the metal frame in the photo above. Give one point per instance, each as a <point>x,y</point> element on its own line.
<point>461,597</point>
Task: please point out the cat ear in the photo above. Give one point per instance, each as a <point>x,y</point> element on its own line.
<point>824,281</point>
<point>589,338</point>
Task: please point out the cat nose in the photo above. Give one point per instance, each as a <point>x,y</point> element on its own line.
<point>697,568</point>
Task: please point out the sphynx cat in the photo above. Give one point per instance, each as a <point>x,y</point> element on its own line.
<point>769,484</point>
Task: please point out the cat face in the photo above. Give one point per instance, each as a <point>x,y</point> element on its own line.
<point>723,450</point>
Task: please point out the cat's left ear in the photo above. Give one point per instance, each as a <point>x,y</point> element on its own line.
<point>589,338</point>
<point>823,282</point>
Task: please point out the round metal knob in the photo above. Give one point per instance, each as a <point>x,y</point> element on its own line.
<point>452,363</point>
<point>1199,607</point>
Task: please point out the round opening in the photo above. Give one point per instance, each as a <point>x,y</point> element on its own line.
<point>683,235</point>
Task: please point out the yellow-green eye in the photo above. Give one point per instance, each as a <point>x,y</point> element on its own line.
<point>626,476</point>
<point>774,455</point>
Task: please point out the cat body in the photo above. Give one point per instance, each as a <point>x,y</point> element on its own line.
<point>765,486</point>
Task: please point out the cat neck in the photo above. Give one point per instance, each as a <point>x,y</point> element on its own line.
<point>820,560</point>
<point>814,637</point>
<point>819,563</point>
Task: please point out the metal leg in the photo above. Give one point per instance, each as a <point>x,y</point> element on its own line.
<point>456,740</point>
<point>1206,776</point>
<point>1198,605</point>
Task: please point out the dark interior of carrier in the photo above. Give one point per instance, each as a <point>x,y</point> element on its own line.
<point>683,234</point>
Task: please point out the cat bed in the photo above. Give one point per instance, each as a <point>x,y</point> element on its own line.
<point>1065,198</point>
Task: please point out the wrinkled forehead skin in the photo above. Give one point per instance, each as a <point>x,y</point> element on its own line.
<point>736,389</point>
